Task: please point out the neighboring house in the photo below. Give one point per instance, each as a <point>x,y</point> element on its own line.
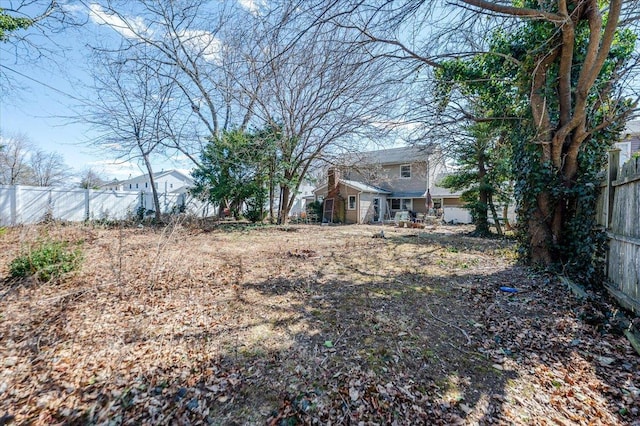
<point>170,181</point>
<point>630,142</point>
<point>372,186</point>
<point>303,196</point>
<point>172,186</point>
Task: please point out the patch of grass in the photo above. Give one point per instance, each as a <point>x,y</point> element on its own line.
<point>47,261</point>
<point>3,231</point>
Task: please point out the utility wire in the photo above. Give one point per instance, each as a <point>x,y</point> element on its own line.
<point>84,101</point>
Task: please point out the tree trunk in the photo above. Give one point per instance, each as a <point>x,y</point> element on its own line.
<point>283,210</point>
<point>496,220</point>
<point>272,191</point>
<point>154,191</point>
<point>540,234</point>
<point>482,222</point>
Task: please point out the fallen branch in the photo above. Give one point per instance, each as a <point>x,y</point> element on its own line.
<point>449,324</point>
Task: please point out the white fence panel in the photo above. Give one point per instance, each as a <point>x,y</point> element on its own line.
<point>30,204</point>
<point>7,205</point>
<point>68,204</point>
<point>113,204</point>
<point>456,215</point>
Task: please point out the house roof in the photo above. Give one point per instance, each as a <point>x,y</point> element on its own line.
<point>408,194</point>
<point>364,187</point>
<point>402,155</point>
<point>158,175</point>
<point>440,192</point>
<point>632,128</point>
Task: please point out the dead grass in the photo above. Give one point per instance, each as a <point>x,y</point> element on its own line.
<point>301,324</point>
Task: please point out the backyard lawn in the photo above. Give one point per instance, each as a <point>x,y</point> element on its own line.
<point>303,324</point>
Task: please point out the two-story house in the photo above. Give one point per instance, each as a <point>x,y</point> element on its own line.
<point>630,142</point>
<point>371,187</point>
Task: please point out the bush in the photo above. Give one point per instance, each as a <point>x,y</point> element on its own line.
<point>315,207</point>
<point>50,260</point>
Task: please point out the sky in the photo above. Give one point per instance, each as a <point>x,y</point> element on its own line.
<point>46,95</point>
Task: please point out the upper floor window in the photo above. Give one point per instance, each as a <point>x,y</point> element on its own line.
<point>405,171</point>
<point>352,202</point>
<point>136,186</point>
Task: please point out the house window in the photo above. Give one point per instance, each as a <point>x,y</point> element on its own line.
<point>130,186</point>
<point>136,186</point>
<point>170,185</point>
<point>146,184</point>
<point>352,202</point>
<point>401,204</point>
<point>405,171</point>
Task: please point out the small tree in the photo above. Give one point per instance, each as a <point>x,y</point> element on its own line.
<point>234,170</point>
<point>131,110</point>
<point>14,160</point>
<point>483,175</point>
<point>48,168</point>
<point>90,179</point>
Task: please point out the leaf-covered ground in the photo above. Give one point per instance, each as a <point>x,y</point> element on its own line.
<point>303,325</point>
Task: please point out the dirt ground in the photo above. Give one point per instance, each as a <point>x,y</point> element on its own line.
<point>303,324</point>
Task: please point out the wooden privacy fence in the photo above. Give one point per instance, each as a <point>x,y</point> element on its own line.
<point>619,212</point>
<point>21,205</point>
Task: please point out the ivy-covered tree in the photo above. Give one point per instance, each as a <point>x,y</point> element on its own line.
<point>565,114</point>
<point>234,171</point>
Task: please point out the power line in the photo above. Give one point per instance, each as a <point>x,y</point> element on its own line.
<point>55,89</point>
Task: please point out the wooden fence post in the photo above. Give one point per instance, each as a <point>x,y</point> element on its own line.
<point>612,176</point>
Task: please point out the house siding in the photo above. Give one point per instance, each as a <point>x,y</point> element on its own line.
<point>351,216</point>
<point>165,182</point>
<point>366,207</point>
<point>390,178</point>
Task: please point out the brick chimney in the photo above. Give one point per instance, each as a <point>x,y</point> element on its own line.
<point>333,178</point>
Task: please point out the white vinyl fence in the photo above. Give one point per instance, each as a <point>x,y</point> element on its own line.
<point>29,204</point>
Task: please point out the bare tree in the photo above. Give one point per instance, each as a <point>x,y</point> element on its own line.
<point>90,179</point>
<point>47,168</point>
<point>131,109</point>
<point>196,45</point>
<point>320,88</point>
<point>25,33</point>
<point>14,159</point>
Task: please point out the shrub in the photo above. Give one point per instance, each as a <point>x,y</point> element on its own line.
<point>47,261</point>
<point>315,207</point>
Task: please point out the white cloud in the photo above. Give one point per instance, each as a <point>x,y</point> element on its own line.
<point>252,6</point>
<point>202,43</point>
<point>111,169</point>
<point>128,27</point>
<point>75,9</point>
